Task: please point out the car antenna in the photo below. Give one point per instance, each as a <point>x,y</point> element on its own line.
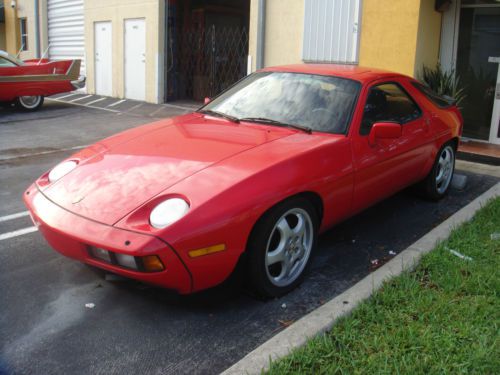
<point>43,54</point>
<point>20,50</point>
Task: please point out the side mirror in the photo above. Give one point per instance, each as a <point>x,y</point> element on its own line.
<point>384,130</point>
<point>206,100</point>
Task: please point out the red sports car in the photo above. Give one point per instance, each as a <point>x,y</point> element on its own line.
<point>27,82</point>
<point>252,177</point>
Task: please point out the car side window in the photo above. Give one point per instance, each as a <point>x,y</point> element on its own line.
<point>6,63</point>
<point>388,102</point>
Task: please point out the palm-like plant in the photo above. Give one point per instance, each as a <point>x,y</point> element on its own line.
<point>444,83</point>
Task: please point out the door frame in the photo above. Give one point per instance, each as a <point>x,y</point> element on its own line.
<point>95,23</point>
<point>495,115</point>
<point>125,54</point>
<point>450,23</point>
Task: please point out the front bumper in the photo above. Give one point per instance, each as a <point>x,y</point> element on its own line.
<point>79,83</point>
<point>72,235</point>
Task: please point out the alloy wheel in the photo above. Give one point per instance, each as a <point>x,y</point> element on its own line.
<point>289,247</point>
<point>445,169</point>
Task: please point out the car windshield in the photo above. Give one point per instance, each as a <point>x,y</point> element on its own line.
<point>320,103</point>
<point>10,57</point>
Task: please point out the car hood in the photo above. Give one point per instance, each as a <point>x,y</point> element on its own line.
<point>126,174</point>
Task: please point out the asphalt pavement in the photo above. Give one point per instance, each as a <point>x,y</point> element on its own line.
<point>131,328</point>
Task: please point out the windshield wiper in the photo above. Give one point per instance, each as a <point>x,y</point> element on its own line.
<point>264,120</point>
<point>219,114</point>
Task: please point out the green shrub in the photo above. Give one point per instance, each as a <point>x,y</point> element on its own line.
<point>444,83</point>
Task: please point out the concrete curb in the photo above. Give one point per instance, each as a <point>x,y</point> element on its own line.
<point>323,318</point>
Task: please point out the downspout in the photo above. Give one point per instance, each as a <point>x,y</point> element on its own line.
<point>37,29</point>
<point>261,30</point>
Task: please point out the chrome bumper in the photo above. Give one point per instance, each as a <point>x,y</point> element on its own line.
<point>79,83</point>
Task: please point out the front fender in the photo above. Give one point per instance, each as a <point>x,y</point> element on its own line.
<point>227,199</point>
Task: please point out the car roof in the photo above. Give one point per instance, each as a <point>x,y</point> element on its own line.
<point>358,73</point>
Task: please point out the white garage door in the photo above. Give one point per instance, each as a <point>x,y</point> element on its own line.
<point>66,35</point>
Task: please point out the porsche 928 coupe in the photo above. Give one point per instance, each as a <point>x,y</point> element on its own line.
<point>250,178</point>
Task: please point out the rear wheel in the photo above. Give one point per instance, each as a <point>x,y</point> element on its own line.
<point>29,103</point>
<point>281,246</point>
<point>438,182</point>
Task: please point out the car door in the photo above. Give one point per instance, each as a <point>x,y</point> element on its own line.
<point>7,69</point>
<point>388,165</point>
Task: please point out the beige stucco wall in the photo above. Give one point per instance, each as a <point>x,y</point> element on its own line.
<point>284,30</point>
<point>26,9</point>
<point>3,45</point>
<point>395,35</point>
<point>11,30</point>
<point>44,27</point>
<point>117,11</point>
<point>389,34</point>
<point>252,32</point>
<point>428,37</point>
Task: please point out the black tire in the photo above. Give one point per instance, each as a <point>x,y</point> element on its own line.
<point>29,103</point>
<point>429,187</point>
<point>266,233</point>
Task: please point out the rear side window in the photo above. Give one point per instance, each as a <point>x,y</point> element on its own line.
<point>438,100</point>
<point>388,103</point>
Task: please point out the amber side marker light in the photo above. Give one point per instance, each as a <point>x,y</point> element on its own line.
<point>207,250</point>
<point>152,263</point>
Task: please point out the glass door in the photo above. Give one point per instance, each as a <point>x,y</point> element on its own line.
<point>478,40</point>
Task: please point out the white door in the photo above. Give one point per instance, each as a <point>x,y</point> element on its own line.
<point>135,59</point>
<point>66,30</point>
<point>102,58</point>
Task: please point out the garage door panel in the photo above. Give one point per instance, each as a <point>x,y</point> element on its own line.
<point>66,30</point>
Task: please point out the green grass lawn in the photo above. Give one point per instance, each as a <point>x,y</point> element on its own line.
<point>442,318</point>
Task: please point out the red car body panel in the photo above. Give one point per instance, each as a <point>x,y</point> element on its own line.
<point>38,77</point>
<point>230,174</point>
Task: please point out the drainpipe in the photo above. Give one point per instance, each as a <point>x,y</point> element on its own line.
<point>261,29</point>
<point>37,29</point>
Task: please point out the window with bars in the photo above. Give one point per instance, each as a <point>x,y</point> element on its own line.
<point>24,34</point>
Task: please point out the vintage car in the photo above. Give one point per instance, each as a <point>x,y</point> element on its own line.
<point>27,82</point>
<point>249,179</point>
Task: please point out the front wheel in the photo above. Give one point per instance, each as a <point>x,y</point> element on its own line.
<point>29,103</point>
<point>280,247</point>
<point>437,183</point>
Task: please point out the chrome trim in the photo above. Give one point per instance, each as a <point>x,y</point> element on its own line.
<point>79,83</point>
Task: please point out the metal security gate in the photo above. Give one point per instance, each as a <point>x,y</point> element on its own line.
<point>208,62</point>
<point>66,30</point>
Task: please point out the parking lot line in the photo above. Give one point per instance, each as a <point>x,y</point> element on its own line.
<point>43,153</point>
<point>190,109</point>
<point>95,101</point>
<point>116,103</point>
<point>135,107</point>
<point>14,216</point>
<point>65,96</point>
<point>77,99</point>
<point>16,233</point>
<point>156,111</point>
